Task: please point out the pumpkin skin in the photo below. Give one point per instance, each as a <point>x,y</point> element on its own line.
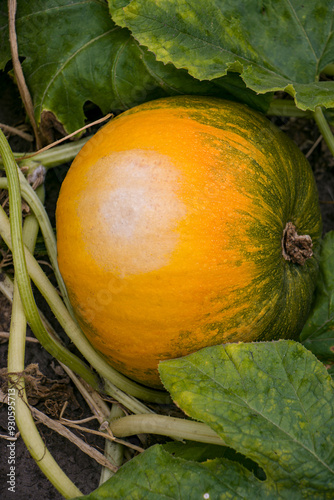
<point>169,228</point>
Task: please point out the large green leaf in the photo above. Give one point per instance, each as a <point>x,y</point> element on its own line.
<point>281,45</point>
<point>273,402</point>
<point>156,475</point>
<point>318,332</point>
<point>137,77</point>
<point>67,49</point>
<point>74,53</point>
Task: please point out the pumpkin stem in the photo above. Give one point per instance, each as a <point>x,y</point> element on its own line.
<point>296,248</point>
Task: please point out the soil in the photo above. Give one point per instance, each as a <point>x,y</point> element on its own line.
<point>84,471</point>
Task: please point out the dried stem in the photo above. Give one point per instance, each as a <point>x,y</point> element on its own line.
<point>56,143</point>
<point>5,335</point>
<point>63,431</point>
<point>20,80</point>
<point>13,130</point>
<point>102,434</point>
<point>98,407</point>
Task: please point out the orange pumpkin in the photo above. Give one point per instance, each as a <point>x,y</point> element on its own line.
<point>187,222</point>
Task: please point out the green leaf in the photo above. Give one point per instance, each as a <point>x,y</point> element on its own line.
<point>330,370</point>
<point>156,475</point>
<point>4,44</point>
<point>318,332</point>
<point>273,402</point>
<point>145,78</point>
<point>74,53</point>
<point>273,45</point>
<point>67,50</point>
<point>200,452</point>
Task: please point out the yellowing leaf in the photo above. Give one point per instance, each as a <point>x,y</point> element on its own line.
<point>273,45</point>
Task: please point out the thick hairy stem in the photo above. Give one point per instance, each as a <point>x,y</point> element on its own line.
<point>21,83</point>
<point>14,240</point>
<point>324,128</point>
<point>55,156</point>
<point>36,205</point>
<point>16,393</point>
<point>177,428</point>
<point>288,108</point>
<point>112,451</point>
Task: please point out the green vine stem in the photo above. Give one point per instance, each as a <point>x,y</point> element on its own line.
<point>55,156</point>
<point>324,128</point>
<point>126,399</point>
<point>112,451</point>
<point>287,108</point>
<point>21,274</point>
<point>37,207</point>
<point>165,426</point>
<point>23,417</point>
<point>31,226</point>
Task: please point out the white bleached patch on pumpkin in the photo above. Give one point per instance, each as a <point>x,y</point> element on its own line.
<point>136,213</point>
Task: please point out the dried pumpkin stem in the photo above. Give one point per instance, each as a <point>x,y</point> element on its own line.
<point>296,248</point>
<point>49,146</point>
<point>22,86</point>
<point>16,131</point>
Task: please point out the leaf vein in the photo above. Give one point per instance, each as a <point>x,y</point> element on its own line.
<point>267,419</point>
<point>61,68</point>
<point>275,71</point>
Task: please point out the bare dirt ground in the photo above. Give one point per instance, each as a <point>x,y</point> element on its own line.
<point>54,387</point>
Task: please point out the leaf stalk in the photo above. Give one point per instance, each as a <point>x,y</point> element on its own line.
<point>163,425</point>
<point>17,398</point>
<point>324,128</point>
<point>14,240</point>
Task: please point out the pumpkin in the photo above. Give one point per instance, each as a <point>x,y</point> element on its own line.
<point>187,222</point>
